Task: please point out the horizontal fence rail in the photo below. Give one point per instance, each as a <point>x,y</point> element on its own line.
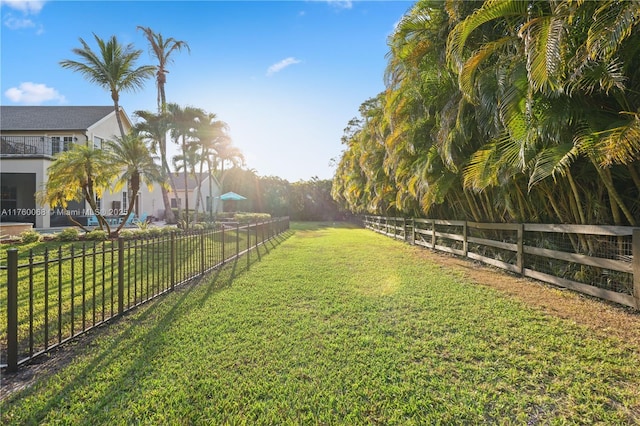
<point>57,295</point>
<point>601,261</point>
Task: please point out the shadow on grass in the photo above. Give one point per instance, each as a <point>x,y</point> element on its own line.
<point>107,357</point>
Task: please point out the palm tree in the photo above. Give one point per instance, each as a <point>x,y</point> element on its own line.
<point>154,127</point>
<point>162,49</point>
<point>212,138</point>
<point>131,156</point>
<point>81,173</point>
<point>183,122</point>
<point>187,163</point>
<point>226,152</point>
<point>112,68</point>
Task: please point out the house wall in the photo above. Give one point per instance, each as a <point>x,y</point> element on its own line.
<point>107,128</point>
<point>151,201</point>
<point>204,189</point>
<point>37,166</point>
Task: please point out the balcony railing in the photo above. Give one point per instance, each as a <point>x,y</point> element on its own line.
<point>29,146</point>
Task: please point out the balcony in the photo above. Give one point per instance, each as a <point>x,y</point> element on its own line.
<point>29,146</point>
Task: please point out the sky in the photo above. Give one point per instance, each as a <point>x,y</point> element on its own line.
<point>286,76</point>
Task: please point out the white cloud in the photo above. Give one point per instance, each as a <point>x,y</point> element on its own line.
<point>33,93</point>
<point>279,66</point>
<point>341,4</point>
<point>25,6</point>
<point>14,23</point>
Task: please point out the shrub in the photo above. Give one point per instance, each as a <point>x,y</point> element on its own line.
<point>127,234</point>
<point>168,230</point>
<point>143,233</point>
<point>198,227</point>
<point>155,231</point>
<point>96,235</point>
<point>30,237</point>
<point>251,217</point>
<point>69,234</point>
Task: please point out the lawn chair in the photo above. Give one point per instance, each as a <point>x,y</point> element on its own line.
<point>141,219</point>
<point>131,220</point>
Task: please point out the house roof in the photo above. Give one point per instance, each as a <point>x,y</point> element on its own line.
<point>51,117</point>
<point>178,179</point>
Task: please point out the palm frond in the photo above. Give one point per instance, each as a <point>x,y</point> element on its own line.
<point>621,144</point>
<point>552,161</point>
<point>490,10</point>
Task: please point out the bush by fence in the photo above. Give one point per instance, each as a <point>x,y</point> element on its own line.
<point>54,296</point>
<point>601,261</point>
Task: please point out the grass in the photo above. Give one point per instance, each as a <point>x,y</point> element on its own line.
<point>339,326</point>
<point>65,306</point>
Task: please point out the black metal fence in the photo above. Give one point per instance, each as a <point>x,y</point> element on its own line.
<point>56,295</point>
<point>601,261</point>
<point>29,146</point>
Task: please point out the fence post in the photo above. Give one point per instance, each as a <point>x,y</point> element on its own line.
<point>202,252</point>
<point>237,239</point>
<point>249,244</point>
<point>172,259</point>
<point>636,265</point>
<point>413,231</point>
<point>12,309</point>
<point>404,228</point>
<point>465,238</point>
<point>224,259</point>
<point>121,275</point>
<point>433,234</point>
<point>520,254</point>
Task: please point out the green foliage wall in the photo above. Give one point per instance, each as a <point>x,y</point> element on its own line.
<point>507,111</point>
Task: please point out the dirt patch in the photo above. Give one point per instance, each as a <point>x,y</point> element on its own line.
<point>606,319</point>
<point>43,365</point>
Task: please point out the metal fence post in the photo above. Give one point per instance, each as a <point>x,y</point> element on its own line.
<point>636,266</point>
<point>172,260</point>
<point>202,252</point>
<point>237,239</point>
<point>120,275</point>
<point>248,244</point>
<point>12,309</point>
<point>222,238</point>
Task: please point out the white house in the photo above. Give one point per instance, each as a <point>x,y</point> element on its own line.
<point>206,186</point>
<point>30,136</point>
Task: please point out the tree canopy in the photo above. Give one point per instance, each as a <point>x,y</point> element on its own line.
<point>503,110</point>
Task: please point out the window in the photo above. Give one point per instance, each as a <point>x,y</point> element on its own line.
<point>67,140</point>
<point>98,204</point>
<point>125,206</point>
<point>97,142</point>
<point>175,202</point>
<point>59,144</point>
<point>55,145</point>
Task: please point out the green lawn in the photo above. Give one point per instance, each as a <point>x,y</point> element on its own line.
<point>339,325</point>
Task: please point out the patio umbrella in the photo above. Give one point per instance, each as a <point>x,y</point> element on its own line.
<point>232,196</point>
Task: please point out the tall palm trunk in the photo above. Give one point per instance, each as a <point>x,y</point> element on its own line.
<point>116,106</point>
<point>605,175</point>
<point>169,217</point>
